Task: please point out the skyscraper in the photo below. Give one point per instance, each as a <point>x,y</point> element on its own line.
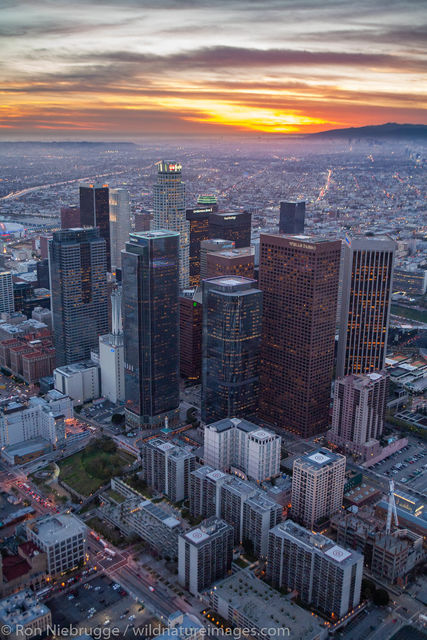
<point>365,307</point>
<point>111,354</point>
<point>234,226</point>
<point>70,217</point>
<point>317,487</point>
<point>358,412</point>
<point>151,327</point>
<point>119,226</point>
<point>78,277</point>
<point>292,217</point>
<point>190,334</point>
<point>199,230</point>
<point>95,212</point>
<point>7,300</point>
<point>231,262</point>
<point>206,246</point>
<point>299,281</point>
<point>169,212</point>
<point>232,312</point>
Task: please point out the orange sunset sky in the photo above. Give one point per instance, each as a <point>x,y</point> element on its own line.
<point>107,69</point>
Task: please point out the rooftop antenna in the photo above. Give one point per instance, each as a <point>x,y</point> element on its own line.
<point>391,508</point>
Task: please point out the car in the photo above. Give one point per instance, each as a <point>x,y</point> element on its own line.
<point>107,622</point>
<point>131,618</point>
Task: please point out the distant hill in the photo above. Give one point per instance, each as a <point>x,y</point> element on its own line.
<point>389,130</point>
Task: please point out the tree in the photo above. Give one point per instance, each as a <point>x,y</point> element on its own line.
<point>368,589</point>
<point>117,419</point>
<point>381,598</point>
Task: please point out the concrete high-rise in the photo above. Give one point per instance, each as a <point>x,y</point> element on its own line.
<point>299,281</point>
<point>358,413</point>
<point>326,576</point>
<point>204,554</point>
<point>95,212</point>
<point>234,226</point>
<point>292,218</point>
<point>317,487</point>
<point>167,468</point>
<point>231,337</point>
<point>365,308</point>
<point>239,444</point>
<point>7,300</point>
<point>111,354</point>
<point>119,226</point>
<point>170,213</point>
<point>150,312</point>
<point>77,263</point>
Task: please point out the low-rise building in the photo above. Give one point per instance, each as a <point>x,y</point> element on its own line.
<point>27,568</point>
<point>23,616</point>
<point>248,603</point>
<point>81,381</point>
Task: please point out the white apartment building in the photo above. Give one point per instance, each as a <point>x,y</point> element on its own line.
<point>326,576</point>
<point>317,486</point>
<point>38,418</point>
<point>237,443</point>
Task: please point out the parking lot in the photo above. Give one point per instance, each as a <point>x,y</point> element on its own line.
<point>97,604</point>
<point>406,466</point>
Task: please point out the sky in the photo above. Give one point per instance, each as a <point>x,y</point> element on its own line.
<point>104,69</point>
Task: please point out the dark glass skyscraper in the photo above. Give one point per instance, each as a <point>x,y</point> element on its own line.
<point>299,281</point>
<point>199,230</point>
<point>232,316</point>
<point>78,277</point>
<point>235,226</point>
<point>95,212</point>
<point>292,218</point>
<point>150,286</point>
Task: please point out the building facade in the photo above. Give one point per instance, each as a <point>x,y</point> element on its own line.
<point>231,338</point>
<point>120,226</point>
<point>231,262</point>
<point>317,487</point>
<point>170,212</point>
<point>365,309</point>
<point>151,327</point>
<point>292,218</point>
<point>190,334</point>
<point>299,281</point>
<point>204,554</point>
<point>242,445</point>
<point>235,226</point>
<point>358,411</point>
<point>7,300</point>
<point>198,219</point>
<point>326,576</point>
<point>167,468</point>
<point>207,246</point>
<point>95,212</point>
<point>78,278</point>
<point>111,354</point>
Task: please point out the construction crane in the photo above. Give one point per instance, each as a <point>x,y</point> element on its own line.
<point>391,508</point>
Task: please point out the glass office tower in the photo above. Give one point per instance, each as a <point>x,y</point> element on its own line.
<point>77,264</point>
<point>150,286</point>
<point>292,218</point>
<point>95,212</point>
<point>232,316</point>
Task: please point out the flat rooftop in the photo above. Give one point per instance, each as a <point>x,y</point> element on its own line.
<point>320,458</point>
<point>57,528</point>
<point>265,607</point>
<point>21,609</point>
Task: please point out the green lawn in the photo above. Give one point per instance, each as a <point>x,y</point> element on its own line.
<point>93,467</point>
<point>407,312</point>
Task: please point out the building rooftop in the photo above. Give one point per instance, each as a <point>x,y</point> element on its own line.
<point>208,528</point>
<point>233,423</point>
<point>28,446</point>
<point>21,609</point>
<point>265,607</point>
<point>159,513</point>
<point>71,369</point>
<point>319,458</point>
<point>57,528</point>
<point>316,541</point>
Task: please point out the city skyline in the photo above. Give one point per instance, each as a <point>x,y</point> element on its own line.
<point>222,68</point>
